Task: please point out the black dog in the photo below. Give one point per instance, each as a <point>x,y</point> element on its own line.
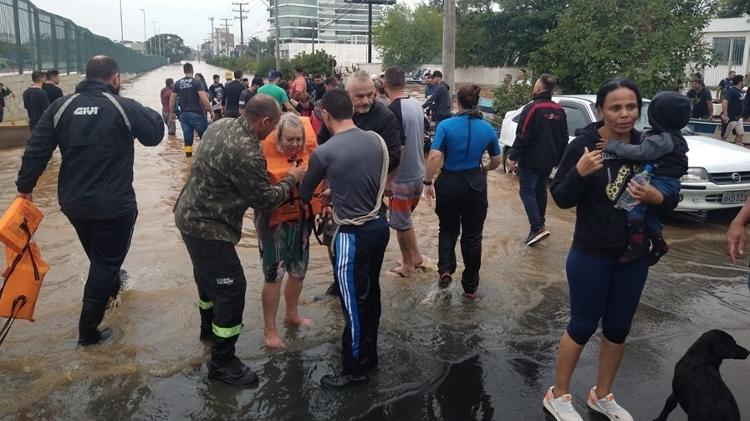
<point>697,385</point>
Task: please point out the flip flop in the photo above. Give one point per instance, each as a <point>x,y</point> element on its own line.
<point>397,272</point>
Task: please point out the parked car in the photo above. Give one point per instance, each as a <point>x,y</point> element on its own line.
<point>719,173</point>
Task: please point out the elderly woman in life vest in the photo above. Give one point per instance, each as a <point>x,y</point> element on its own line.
<point>283,233</point>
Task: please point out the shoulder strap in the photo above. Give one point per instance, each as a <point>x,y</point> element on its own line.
<point>61,110</point>
<point>373,214</point>
<point>117,105</point>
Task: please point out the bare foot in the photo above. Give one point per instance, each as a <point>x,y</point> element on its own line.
<point>273,340</point>
<point>297,321</point>
<point>402,272</point>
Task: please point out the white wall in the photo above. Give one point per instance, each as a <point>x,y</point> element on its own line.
<point>14,110</point>
<point>486,75</point>
<point>345,54</point>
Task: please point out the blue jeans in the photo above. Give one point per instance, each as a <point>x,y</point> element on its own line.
<point>602,288</point>
<point>669,187</point>
<point>192,121</point>
<point>533,190</point>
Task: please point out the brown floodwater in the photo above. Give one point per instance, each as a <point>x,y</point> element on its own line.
<point>441,357</point>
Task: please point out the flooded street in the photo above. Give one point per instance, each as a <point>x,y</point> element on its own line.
<point>441,357</point>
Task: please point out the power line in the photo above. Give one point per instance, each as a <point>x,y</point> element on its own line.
<point>241,18</point>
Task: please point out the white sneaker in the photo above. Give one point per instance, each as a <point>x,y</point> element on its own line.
<point>608,407</point>
<point>561,408</point>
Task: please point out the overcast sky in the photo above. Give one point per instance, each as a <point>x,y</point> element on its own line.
<point>186,18</point>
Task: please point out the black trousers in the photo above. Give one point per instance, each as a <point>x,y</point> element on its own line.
<point>221,289</point>
<point>461,204</point>
<point>106,242</point>
<point>359,254</point>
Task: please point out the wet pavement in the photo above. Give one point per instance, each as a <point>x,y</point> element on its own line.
<point>441,357</point>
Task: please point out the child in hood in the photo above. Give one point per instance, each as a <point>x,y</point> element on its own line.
<point>664,147</point>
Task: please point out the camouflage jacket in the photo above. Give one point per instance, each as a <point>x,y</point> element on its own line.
<point>229,176</point>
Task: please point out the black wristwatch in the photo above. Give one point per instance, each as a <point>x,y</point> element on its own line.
<point>427,183</point>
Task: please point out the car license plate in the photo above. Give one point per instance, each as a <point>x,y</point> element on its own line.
<point>734,197</point>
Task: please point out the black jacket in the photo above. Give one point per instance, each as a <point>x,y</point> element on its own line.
<point>96,144</point>
<point>439,102</point>
<point>541,135</point>
<point>600,230</point>
<point>382,121</point>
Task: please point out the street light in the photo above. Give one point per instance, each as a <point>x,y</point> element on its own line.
<point>144,28</point>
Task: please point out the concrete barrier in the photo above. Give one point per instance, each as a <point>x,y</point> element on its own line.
<point>14,111</point>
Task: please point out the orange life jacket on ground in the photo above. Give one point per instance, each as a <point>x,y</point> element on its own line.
<point>278,165</point>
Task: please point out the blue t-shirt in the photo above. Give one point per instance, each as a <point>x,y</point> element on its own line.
<point>734,100</point>
<point>460,152</point>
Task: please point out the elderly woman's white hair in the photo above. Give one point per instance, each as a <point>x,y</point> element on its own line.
<point>289,120</point>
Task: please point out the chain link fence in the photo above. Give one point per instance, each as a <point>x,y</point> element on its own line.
<point>31,38</point>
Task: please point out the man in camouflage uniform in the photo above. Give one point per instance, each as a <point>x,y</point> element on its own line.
<point>229,176</point>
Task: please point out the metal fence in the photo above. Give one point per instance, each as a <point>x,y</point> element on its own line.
<point>31,38</point>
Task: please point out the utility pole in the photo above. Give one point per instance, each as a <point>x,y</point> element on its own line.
<point>241,17</point>
<point>276,20</point>
<point>226,31</point>
<point>369,32</point>
<point>122,32</point>
<point>156,40</point>
<point>213,37</point>
<point>449,43</point>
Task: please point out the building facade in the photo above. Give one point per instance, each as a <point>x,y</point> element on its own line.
<point>322,22</point>
<point>729,40</point>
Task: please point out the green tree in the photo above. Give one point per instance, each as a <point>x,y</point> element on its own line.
<point>172,45</point>
<point>649,41</point>
<point>511,95</point>
<point>312,63</point>
<point>733,8</point>
<point>506,37</point>
<point>408,38</point>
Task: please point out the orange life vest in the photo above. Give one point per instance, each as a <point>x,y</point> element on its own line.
<point>24,268</point>
<point>18,223</point>
<point>278,165</point>
<point>24,273</point>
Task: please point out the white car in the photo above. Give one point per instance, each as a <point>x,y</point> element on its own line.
<point>719,173</point>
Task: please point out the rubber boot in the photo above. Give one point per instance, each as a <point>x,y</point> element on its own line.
<point>206,319</point>
<point>92,314</point>
<point>227,368</point>
<point>637,242</point>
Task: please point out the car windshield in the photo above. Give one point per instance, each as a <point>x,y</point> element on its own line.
<point>642,124</point>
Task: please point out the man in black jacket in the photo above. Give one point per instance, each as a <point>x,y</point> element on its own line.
<point>94,129</point>
<point>439,103</point>
<point>541,137</point>
<point>233,90</point>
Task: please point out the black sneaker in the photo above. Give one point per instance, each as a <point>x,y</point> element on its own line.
<point>340,381</point>
<point>537,236</point>
<point>234,373</point>
<point>445,280</point>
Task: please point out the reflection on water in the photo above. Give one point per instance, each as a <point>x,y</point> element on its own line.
<point>442,357</point>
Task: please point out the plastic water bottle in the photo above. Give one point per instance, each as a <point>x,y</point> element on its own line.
<point>626,200</point>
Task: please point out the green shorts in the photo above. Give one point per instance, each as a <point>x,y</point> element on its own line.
<point>286,250</point>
